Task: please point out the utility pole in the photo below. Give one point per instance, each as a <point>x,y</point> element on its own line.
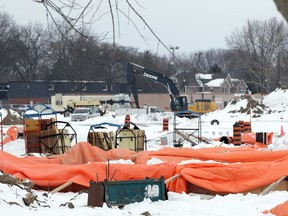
<point>173,56</point>
<point>199,55</point>
<point>81,74</point>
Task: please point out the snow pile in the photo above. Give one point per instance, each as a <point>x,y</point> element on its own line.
<point>245,104</point>
<point>277,101</point>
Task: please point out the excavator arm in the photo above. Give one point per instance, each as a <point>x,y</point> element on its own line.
<point>177,103</point>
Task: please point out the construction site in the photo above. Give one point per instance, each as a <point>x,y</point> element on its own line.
<point>202,155</point>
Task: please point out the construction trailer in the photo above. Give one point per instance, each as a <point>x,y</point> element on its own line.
<point>63,102</point>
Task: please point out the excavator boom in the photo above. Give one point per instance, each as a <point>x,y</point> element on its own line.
<point>177,103</point>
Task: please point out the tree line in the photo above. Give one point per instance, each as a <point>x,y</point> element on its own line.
<point>257,53</point>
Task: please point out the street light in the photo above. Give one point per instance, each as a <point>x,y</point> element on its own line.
<point>173,54</point>
<point>199,56</point>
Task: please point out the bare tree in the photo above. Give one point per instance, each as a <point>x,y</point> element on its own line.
<point>29,52</point>
<point>9,35</point>
<point>77,58</point>
<point>87,12</point>
<point>68,56</point>
<point>258,45</point>
<point>186,72</point>
<point>112,62</point>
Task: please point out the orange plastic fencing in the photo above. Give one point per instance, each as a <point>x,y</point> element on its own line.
<point>279,210</point>
<point>11,134</point>
<point>229,170</point>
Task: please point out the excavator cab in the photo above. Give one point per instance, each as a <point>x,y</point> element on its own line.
<point>179,103</point>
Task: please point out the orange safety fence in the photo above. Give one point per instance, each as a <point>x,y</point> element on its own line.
<point>248,153</point>
<point>229,178</point>
<point>221,169</point>
<point>11,134</point>
<point>53,172</point>
<point>279,210</point>
<point>84,152</point>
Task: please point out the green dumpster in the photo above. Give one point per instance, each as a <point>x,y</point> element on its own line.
<point>120,193</point>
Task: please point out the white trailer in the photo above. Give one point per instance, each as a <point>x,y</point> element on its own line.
<point>61,103</point>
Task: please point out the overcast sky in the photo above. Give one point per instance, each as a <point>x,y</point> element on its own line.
<point>193,25</point>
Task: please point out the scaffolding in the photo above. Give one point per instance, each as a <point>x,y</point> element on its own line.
<point>193,133</point>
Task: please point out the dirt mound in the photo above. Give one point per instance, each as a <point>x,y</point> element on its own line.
<point>252,104</point>
<point>12,119</point>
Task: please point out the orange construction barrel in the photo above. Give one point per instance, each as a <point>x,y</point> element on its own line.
<point>165,124</point>
<point>237,134</point>
<point>127,121</point>
<point>241,122</point>
<point>247,127</point>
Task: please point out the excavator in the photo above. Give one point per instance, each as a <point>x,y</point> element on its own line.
<point>177,102</point>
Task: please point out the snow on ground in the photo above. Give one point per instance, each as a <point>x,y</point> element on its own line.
<point>275,116</point>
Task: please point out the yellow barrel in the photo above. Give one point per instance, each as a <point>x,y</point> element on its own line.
<point>237,134</point>
<point>165,124</point>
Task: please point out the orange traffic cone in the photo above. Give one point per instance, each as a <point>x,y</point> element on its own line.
<point>282,133</point>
